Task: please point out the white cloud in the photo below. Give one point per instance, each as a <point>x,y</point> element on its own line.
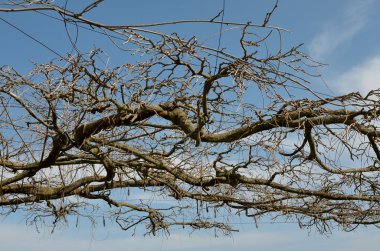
<point>18,237</point>
<point>361,78</point>
<point>336,33</point>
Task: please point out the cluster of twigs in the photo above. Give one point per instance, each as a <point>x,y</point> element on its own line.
<point>198,144</point>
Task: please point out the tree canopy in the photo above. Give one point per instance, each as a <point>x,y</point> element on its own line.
<point>208,131</point>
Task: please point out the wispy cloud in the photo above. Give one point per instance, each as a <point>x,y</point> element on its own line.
<point>17,238</point>
<point>353,20</point>
<point>270,238</point>
<point>361,78</point>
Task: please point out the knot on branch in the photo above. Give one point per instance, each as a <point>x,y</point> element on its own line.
<point>168,106</point>
<point>230,176</point>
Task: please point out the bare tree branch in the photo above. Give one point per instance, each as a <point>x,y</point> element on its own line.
<point>166,126</point>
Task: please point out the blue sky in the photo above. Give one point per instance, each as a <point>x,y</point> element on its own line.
<point>342,34</point>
